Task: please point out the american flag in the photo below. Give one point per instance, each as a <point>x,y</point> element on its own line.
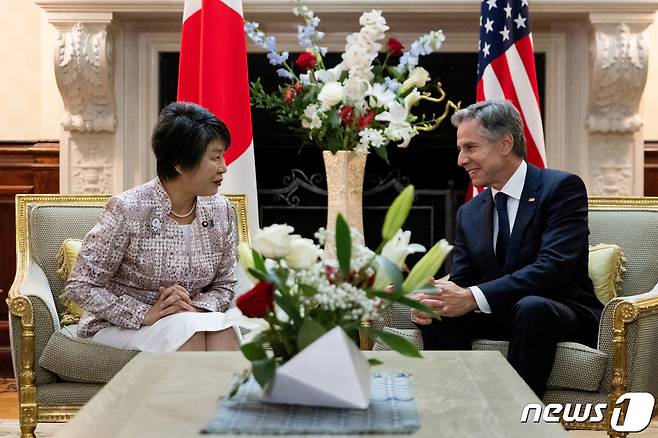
<point>506,68</point>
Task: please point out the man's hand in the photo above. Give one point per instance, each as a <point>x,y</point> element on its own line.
<point>173,299</point>
<point>450,300</point>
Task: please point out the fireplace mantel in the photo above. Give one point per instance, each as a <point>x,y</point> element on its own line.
<point>596,65</point>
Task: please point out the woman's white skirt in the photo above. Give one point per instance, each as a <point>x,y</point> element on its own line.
<point>171,332</point>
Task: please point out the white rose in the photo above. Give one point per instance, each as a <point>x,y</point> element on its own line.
<point>418,77</point>
<point>331,94</point>
<point>275,241</point>
<point>303,254</point>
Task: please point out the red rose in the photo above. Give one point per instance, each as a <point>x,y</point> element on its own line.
<point>306,60</point>
<point>394,47</point>
<point>366,120</point>
<point>256,302</point>
<point>346,113</point>
<point>289,95</point>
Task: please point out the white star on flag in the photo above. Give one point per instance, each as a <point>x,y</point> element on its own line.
<point>520,22</point>
<point>508,12</point>
<point>492,4</point>
<point>486,48</point>
<point>489,25</point>
<point>505,33</point>
<point>524,3</point>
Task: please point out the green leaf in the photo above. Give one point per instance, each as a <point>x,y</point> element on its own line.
<point>382,153</point>
<point>396,343</point>
<point>397,213</point>
<point>406,301</point>
<point>259,263</point>
<point>374,362</point>
<point>308,290</point>
<point>253,351</point>
<point>260,275</point>
<point>343,245</point>
<point>309,332</point>
<point>427,266</point>
<point>287,307</point>
<point>264,370</point>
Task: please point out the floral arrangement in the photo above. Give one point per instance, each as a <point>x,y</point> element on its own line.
<point>300,296</point>
<point>363,103</point>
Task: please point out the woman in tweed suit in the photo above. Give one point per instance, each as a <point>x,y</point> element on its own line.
<point>157,270</point>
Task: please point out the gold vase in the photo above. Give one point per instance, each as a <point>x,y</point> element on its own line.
<point>345,171</point>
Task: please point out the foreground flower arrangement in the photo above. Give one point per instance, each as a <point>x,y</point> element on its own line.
<point>363,103</point>
<point>301,296</point>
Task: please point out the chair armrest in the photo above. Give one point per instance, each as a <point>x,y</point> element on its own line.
<point>627,333</point>
<point>35,284</point>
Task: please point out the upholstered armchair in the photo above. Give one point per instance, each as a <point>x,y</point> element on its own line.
<point>39,343</point>
<point>626,357</point>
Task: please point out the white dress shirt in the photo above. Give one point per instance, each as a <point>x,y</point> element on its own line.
<point>513,189</point>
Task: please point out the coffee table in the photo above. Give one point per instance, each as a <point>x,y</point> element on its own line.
<point>459,394</point>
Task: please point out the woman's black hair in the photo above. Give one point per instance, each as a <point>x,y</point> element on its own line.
<point>181,136</point>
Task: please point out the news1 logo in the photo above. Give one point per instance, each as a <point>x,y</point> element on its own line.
<point>638,412</point>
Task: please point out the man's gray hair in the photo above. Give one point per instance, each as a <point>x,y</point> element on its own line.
<point>497,117</point>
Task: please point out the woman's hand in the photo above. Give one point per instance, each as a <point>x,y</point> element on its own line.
<point>173,299</point>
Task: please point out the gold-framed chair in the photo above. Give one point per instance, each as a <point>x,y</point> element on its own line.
<point>626,356</point>
<point>43,222</point>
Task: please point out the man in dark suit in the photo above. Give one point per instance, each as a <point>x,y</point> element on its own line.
<point>520,258</point>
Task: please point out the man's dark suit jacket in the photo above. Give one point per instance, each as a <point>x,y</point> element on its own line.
<point>548,249</point>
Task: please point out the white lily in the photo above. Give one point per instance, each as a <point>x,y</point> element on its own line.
<point>396,250</point>
<point>383,95</point>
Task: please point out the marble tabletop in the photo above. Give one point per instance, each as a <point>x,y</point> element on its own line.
<point>459,394</point>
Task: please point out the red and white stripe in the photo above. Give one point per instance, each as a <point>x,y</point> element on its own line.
<point>512,76</point>
<point>213,73</point>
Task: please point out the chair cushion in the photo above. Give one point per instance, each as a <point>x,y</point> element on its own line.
<point>606,270</point>
<point>576,366</point>
<point>66,258</point>
<point>79,360</point>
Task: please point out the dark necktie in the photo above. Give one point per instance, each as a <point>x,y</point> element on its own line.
<point>502,241</point>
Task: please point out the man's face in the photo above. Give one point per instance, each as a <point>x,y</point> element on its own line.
<point>483,160</point>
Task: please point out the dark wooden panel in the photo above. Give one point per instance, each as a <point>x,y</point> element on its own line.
<point>651,168</point>
<point>25,167</point>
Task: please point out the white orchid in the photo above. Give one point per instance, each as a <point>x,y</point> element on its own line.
<point>383,96</point>
<point>411,99</point>
<point>311,119</point>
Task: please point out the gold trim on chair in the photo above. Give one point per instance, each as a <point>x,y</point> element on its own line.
<point>626,312</point>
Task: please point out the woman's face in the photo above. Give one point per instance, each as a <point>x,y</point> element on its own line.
<point>205,179</point>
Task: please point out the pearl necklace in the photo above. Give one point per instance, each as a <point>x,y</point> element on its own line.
<point>183,216</point>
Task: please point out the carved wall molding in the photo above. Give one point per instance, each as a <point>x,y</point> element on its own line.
<point>84,73</point>
<point>91,163</point>
<point>619,73</point>
<point>611,166</point>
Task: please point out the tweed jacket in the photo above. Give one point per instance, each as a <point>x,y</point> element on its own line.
<point>135,247</point>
